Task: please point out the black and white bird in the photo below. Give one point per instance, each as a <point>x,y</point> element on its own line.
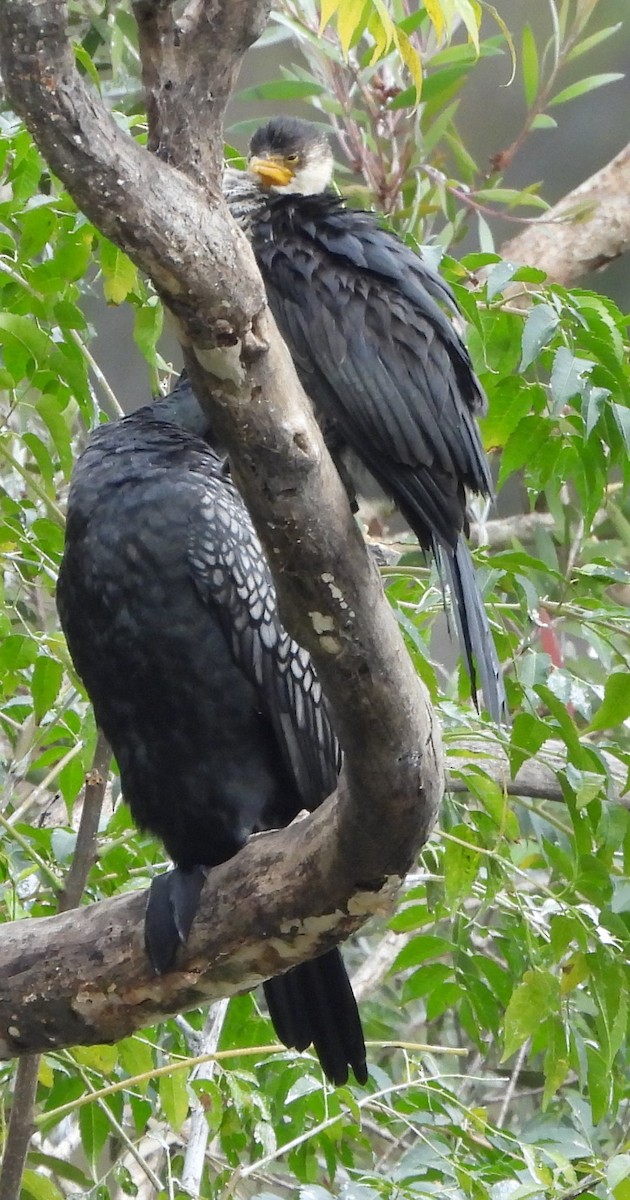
<point>215,715</point>
<point>369,326</point>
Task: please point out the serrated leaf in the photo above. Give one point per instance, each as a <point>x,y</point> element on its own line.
<point>540,326</point>
<point>174,1098</point>
<point>568,376</point>
<point>557,1061</point>
<point>98,1058</point>
<point>622,420</point>
<point>583,86</point>
<point>600,1082</point>
<point>137,1058</point>
<point>535,998</point>
<point>27,334</point>
<point>426,945</point>
<point>119,273</point>
<point>615,707</point>
<point>499,277</point>
<point>461,863</point>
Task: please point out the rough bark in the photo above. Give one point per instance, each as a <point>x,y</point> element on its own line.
<point>286,896</point>
<point>283,898</point>
<point>585,231</point>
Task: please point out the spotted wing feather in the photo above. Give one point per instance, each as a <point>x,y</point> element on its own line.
<point>230,570</point>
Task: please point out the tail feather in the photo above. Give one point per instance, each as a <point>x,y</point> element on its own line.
<point>473,629</point>
<point>314,1004</point>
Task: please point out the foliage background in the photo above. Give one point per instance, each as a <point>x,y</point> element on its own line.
<point>508,954</point>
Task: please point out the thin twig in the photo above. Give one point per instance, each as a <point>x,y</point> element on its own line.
<point>512,1082</point>
<point>199,1129</point>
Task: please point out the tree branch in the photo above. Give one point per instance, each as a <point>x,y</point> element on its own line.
<point>584,231</point>
<point>288,896</point>
<point>536,778</point>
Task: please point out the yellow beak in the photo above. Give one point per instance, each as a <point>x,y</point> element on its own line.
<point>272,172</point>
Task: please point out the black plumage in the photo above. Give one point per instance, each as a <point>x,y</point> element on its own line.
<point>390,378</point>
<point>214,713</point>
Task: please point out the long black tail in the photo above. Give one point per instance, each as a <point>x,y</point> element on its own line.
<point>473,628</point>
<point>314,1004</point>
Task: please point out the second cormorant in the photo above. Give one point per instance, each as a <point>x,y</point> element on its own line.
<point>369,327</point>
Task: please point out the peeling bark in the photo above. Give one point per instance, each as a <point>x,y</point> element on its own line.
<point>282,899</point>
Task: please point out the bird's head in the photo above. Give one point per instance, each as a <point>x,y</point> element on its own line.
<point>290,156</point>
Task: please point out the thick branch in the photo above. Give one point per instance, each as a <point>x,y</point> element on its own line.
<point>189,67</point>
<point>584,231</point>
<point>288,896</point>
<point>537,778</point>
<point>283,898</point>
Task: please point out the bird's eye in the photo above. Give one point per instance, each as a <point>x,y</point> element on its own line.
<point>292,158</point>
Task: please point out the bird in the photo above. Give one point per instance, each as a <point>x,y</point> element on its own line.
<point>369,325</point>
<point>214,713</point>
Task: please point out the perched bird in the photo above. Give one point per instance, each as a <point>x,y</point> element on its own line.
<point>214,713</point>
<point>365,320</point>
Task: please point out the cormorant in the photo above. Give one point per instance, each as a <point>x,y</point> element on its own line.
<point>214,713</point>
<point>389,376</point>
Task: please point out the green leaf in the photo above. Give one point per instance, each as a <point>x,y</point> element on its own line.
<point>84,59</point>
<point>101,1058</point>
<point>280,89</point>
<point>568,376</point>
<point>174,1098</point>
<point>542,322</point>
<point>45,684</point>
<point>426,945</point>
<point>27,334</point>
<point>147,328</point>
<point>461,863</point>
<point>94,1127</point>
<point>544,121</point>
<point>617,1169</point>
<point>599,1083</point>
<point>622,420</point>
<point>615,706</point>
<point>557,1061</point>
<point>585,85</point>
<point>595,39</point>
<point>350,22</point>
<point>39,1186</point>
<point>536,998</point>
<point>530,66</point>
<point>137,1058</point>
<point>119,273</point>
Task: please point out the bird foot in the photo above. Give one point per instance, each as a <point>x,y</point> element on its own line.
<point>171,910</point>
